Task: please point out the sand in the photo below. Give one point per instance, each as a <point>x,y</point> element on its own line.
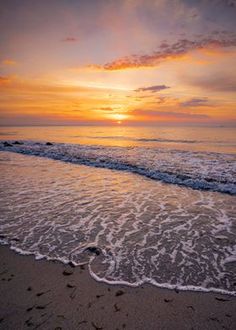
<point>40,294</point>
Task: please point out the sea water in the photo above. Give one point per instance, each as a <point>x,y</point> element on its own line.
<point>138,205</point>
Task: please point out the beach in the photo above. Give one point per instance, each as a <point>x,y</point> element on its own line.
<point>40,294</point>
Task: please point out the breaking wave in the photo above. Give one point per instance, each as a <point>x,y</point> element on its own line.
<point>197,170</point>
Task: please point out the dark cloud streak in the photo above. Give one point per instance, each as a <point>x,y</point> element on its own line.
<point>195,102</point>
<point>152,89</point>
<point>70,39</point>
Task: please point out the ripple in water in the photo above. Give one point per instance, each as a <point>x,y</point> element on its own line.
<point>142,230</point>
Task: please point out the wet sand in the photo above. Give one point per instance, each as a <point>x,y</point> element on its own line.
<point>40,294</point>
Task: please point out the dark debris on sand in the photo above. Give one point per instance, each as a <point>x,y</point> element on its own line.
<point>119,293</point>
<point>67,273</point>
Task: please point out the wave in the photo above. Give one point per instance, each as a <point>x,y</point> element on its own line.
<point>197,170</point>
<point>127,138</point>
<point>159,140</point>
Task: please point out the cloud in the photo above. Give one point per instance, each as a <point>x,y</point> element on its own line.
<point>16,84</point>
<point>106,109</point>
<point>221,82</point>
<point>157,114</point>
<point>168,51</point>
<point>4,80</point>
<point>8,62</point>
<point>152,89</point>
<point>161,100</point>
<point>70,39</point>
<point>230,3</point>
<point>195,102</point>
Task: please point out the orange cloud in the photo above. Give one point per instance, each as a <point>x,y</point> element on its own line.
<point>41,100</point>
<point>4,80</point>
<point>166,52</point>
<point>167,116</point>
<point>9,62</point>
<point>37,99</point>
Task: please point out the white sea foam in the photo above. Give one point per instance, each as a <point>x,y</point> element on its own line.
<point>141,231</point>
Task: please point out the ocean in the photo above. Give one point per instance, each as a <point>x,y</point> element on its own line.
<point>138,204</point>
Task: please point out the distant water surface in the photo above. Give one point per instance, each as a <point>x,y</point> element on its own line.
<point>211,139</point>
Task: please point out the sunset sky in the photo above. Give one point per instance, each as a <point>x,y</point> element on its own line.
<point>118,62</point>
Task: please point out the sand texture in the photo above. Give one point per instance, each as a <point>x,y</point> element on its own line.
<point>38,294</point>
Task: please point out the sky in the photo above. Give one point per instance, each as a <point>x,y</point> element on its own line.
<point>118,62</point>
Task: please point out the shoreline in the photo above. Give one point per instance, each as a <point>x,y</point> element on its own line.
<point>42,294</point>
<point>171,287</point>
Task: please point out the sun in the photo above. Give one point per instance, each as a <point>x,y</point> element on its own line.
<point>118,117</point>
